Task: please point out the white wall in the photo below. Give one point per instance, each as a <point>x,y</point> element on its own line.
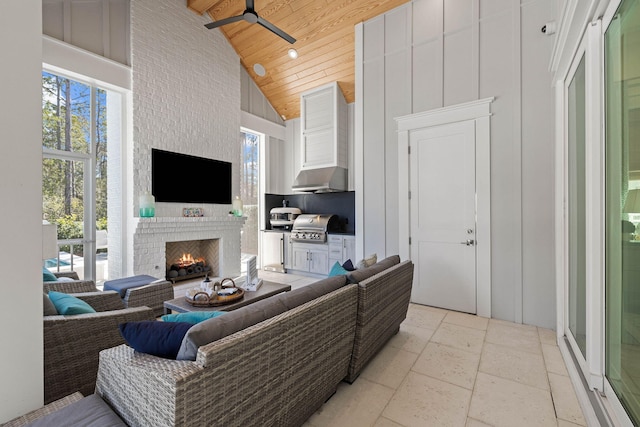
<point>98,26</point>
<point>21,381</point>
<point>429,54</point>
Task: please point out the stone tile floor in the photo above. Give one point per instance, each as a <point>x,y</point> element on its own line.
<point>445,368</point>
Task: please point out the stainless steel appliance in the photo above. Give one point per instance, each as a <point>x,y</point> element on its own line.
<point>313,228</point>
<point>283,217</point>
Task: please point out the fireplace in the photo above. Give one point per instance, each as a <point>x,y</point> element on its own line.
<point>151,236</point>
<point>191,259</point>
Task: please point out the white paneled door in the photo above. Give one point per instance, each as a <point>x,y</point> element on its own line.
<point>443,216</point>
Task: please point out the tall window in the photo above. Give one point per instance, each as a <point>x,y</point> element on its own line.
<point>577,208</point>
<point>249,190</point>
<point>622,188</point>
<point>74,172</point>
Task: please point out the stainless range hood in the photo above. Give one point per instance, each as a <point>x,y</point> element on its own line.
<point>322,180</point>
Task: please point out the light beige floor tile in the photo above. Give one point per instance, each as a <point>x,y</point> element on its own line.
<point>425,401</point>
<point>501,402</point>
<point>424,317</point>
<point>522,338</point>
<point>563,423</point>
<point>357,404</point>
<point>468,320</point>
<point>553,360</point>
<point>475,423</point>
<point>448,364</point>
<point>411,338</point>
<point>565,400</point>
<point>386,422</point>
<point>547,336</point>
<point>460,337</point>
<point>389,367</point>
<point>521,326</point>
<point>513,364</point>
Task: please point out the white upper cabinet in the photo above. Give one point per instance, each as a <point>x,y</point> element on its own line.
<point>323,123</point>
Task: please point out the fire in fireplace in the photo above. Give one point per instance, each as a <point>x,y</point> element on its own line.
<point>191,259</point>
<point>187,267</point>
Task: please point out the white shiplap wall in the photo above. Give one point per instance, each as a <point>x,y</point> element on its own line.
<point>433,53</point>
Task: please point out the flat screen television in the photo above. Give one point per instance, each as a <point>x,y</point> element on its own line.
<point>183,178</point>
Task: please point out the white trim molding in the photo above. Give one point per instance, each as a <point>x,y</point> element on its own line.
<point>60,57</point>
<point>480,112</point>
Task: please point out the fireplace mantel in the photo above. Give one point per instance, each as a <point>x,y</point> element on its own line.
<point>152,234</point>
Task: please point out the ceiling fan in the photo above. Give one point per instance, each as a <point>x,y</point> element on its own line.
<point>252,17</point>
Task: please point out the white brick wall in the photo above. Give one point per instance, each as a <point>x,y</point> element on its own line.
<point>186,98</point>
<point>152,234</point>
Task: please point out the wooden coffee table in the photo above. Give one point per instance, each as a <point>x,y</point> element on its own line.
<point>180,305</point>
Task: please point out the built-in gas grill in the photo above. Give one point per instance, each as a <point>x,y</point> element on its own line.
<point>313,228</point>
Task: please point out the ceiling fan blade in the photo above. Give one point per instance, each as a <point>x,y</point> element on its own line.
<point>225,21</point>
<point>277,31</point>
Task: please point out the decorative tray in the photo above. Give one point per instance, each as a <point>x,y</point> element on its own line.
<point>225,295</point>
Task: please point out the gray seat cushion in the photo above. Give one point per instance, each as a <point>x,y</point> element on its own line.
<point>219,327</point>
<point>121,285</point>
<point>90,411</point>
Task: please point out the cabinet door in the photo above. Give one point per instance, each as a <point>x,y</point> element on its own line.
<point>300,259</point>
<point>349,249</point>
<point>288,249</point>
<point>318,149</point>
<point>271,248</point>
<point>319,261</point>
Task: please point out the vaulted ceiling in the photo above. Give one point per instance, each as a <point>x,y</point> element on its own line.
<point>324,30</point>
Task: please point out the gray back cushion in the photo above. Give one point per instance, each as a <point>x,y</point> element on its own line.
<point>359,275</point>
<point>48,309</point>
<point>219,327</point>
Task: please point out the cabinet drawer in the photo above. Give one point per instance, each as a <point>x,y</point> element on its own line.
<point>335,252</point>
<point>332,238</point>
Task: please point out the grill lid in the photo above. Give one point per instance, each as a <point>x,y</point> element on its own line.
<point>315,222</point>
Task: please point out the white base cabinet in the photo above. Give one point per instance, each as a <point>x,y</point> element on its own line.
<point>309,257</point>
<point>341,248</point>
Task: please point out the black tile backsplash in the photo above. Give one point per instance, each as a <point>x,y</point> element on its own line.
<point>342,204</point>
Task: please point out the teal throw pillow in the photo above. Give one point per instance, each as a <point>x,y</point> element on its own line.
<point>48,276</point>
<point>162,339</point>
<point>192,317</point>
<point>68,304</point>
<point>337,270</point>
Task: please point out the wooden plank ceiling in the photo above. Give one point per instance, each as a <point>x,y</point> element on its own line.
<point>324,30</point>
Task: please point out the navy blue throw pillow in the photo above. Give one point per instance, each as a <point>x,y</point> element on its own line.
<point>162,339</point>
<point>348,265</point>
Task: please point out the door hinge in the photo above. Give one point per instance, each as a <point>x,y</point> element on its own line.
<point>409,240</point>
<point>409,194</point>
<point>409,149</point>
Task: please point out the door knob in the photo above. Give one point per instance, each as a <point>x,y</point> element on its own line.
<point>469,230</point>
<point>468,242</point>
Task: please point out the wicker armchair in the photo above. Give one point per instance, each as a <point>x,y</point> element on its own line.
<point>72,343</point>
<point>152,295</point>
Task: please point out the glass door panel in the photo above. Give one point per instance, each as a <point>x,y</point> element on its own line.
<point>577,209</point>
<point>63,205</point>
<point>622,210</point>
<point>249,191</point>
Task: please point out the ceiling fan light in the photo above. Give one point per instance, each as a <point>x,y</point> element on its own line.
<point>293,54</point>
<point>259,70</point>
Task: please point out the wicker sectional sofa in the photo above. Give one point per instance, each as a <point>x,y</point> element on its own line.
<point>276,372</point>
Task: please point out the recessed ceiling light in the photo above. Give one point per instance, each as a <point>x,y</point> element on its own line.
<point>259,69</point>
<point>293,54</point>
